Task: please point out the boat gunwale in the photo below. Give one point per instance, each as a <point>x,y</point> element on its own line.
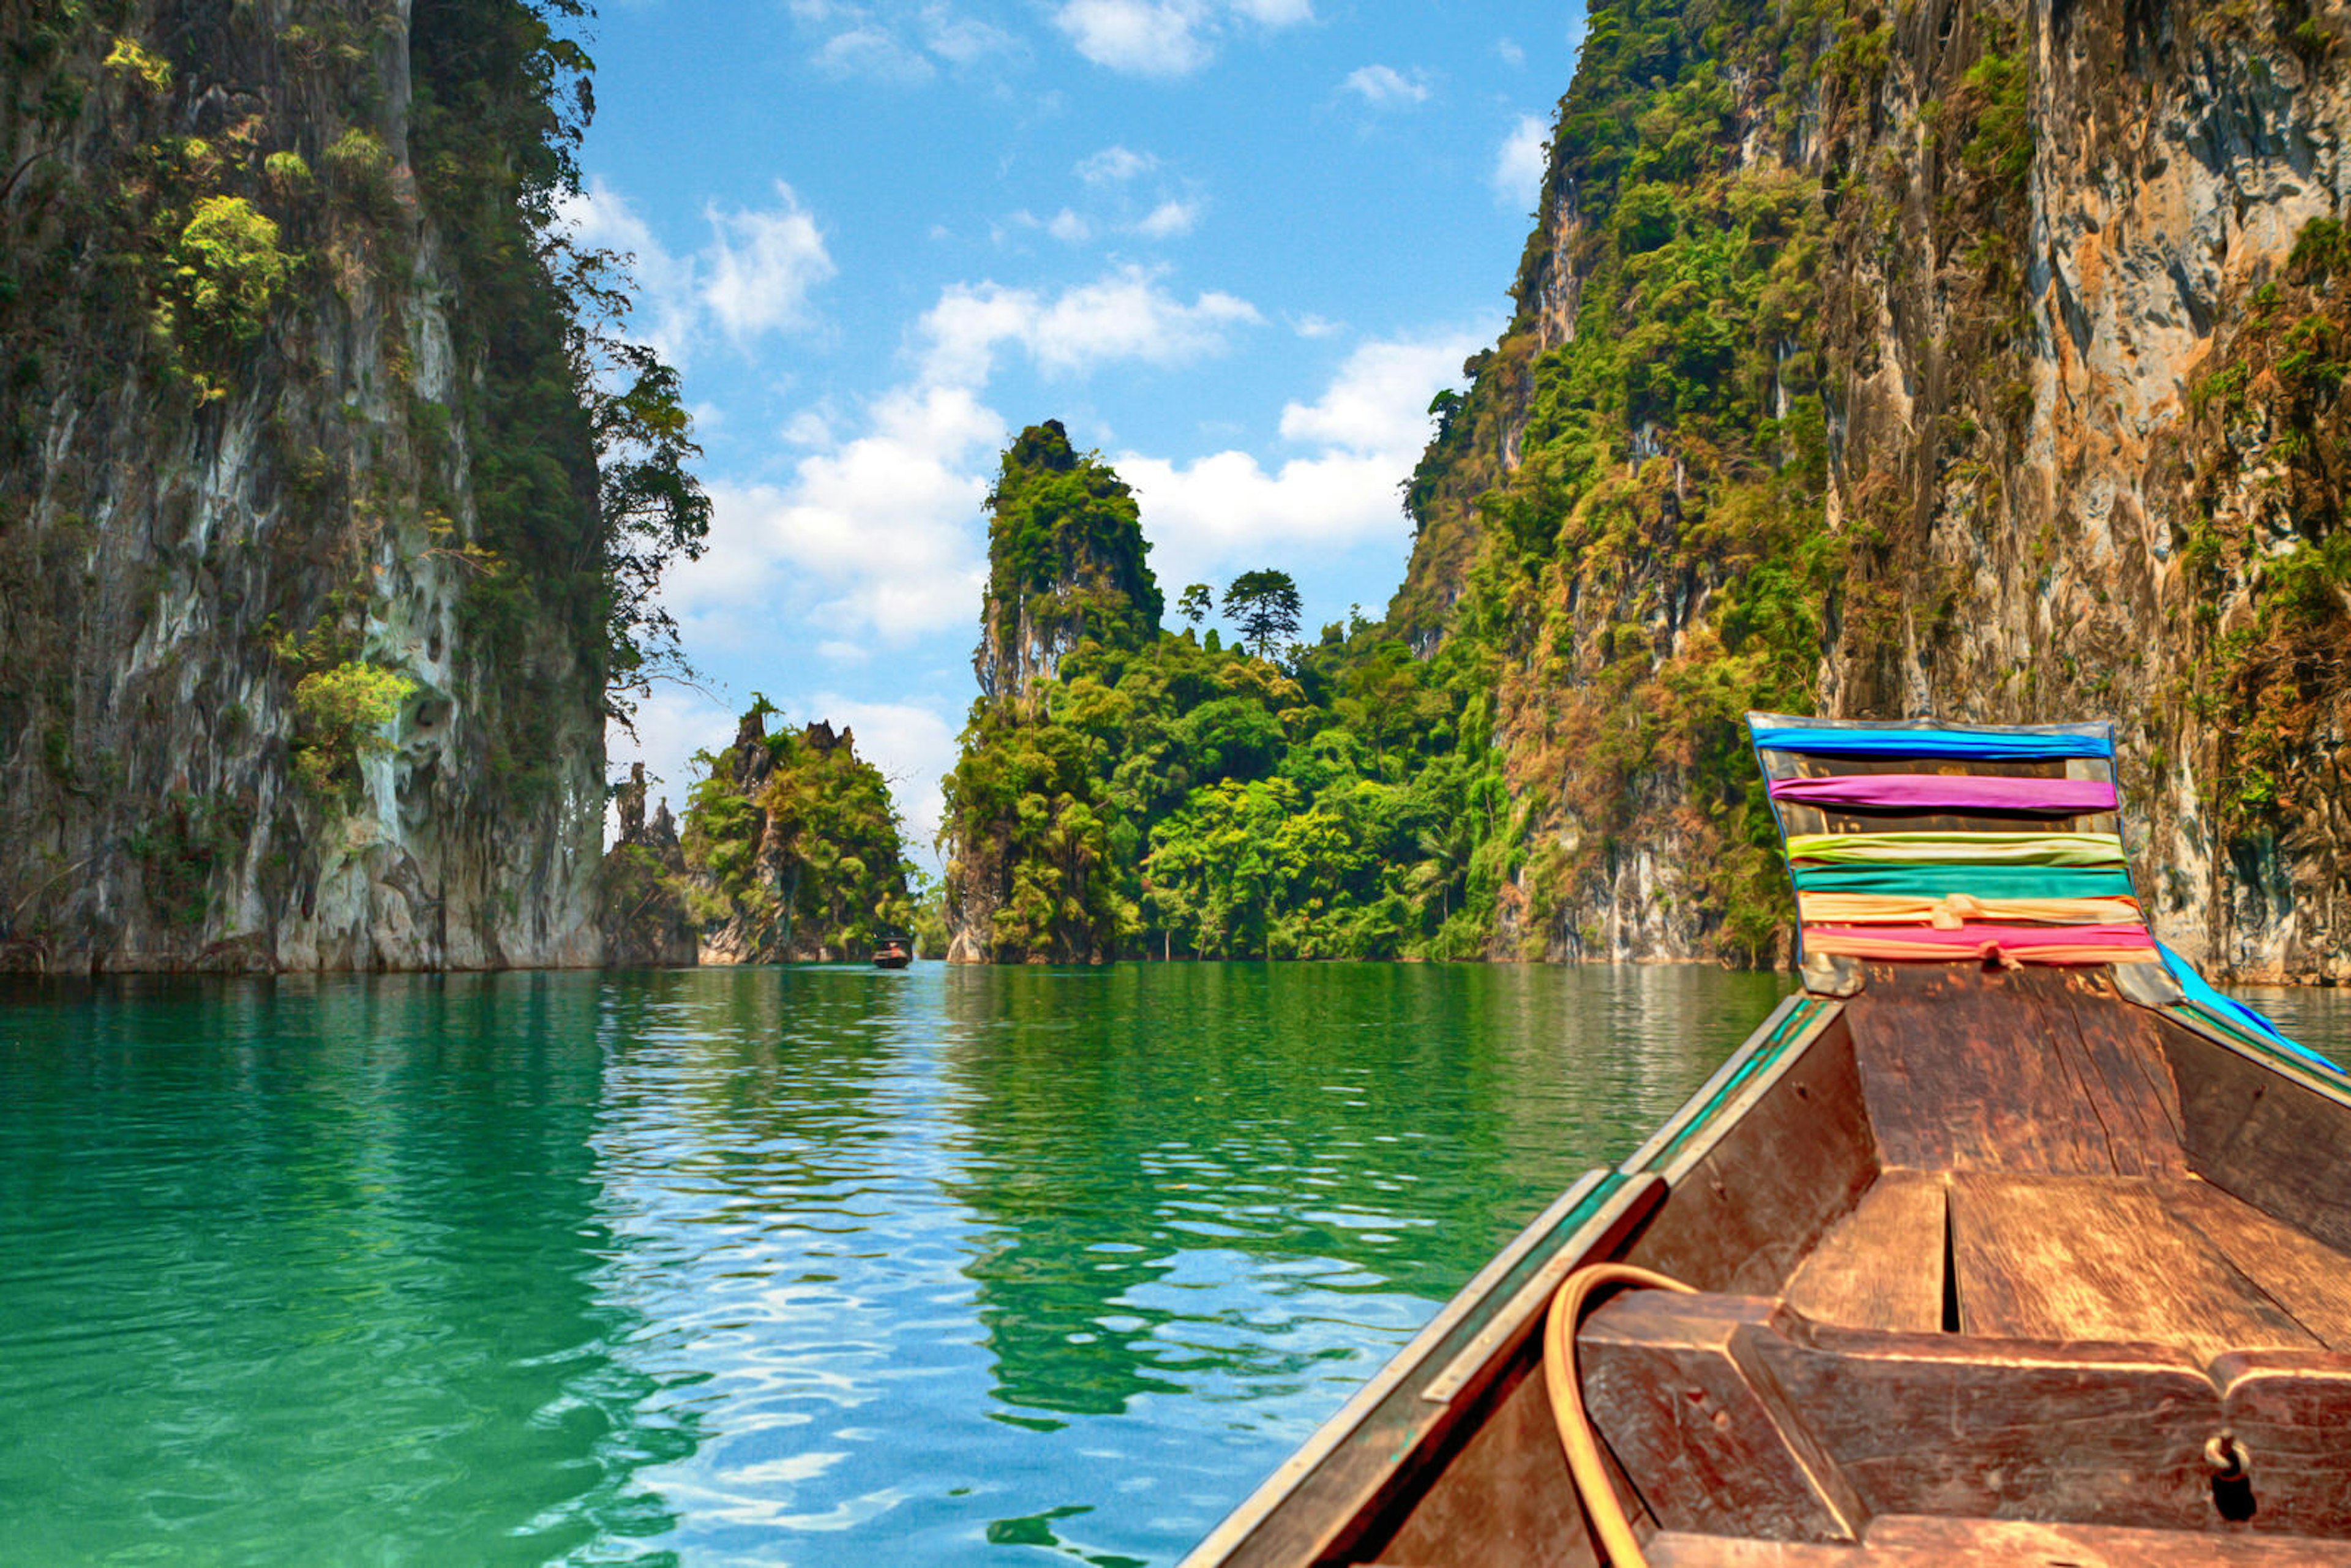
<point>1735,1086</point>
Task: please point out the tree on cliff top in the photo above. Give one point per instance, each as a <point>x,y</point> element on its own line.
<point>1265,607</point>
<point>1066,562</point>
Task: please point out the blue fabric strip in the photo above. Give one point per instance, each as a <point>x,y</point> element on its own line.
<point>2205,995</point>
<point>1992,745</point>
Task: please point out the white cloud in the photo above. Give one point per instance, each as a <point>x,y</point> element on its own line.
<point>1228,511</point>
<point>874,54</point>
<point>1069,228</point>
<point>1312,326</point>
<point>1144,38</point>
<point>752,277</point>
<point>1113,165</point>
<point>1519,166</point>
<point>1165,37</point>
<point>1169,219</point>
<point>762,265</point>
<point>897,42</point>
<point>879,535</point>
<point>1509,53</point>
<point>960,40</point>
<point>1123,316</point>
<point>1378,401</point>
<point>1384,87</point>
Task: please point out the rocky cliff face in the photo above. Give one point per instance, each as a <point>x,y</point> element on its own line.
<point>1982,360</point>
<point>296,667</point>
<point>1067,564</point>
<point>789,852</point>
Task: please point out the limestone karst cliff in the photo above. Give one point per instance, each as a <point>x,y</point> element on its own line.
<point>1026,879</point>
<point>1958,357</point>
<point>789,849</point>
<point>312,597</point>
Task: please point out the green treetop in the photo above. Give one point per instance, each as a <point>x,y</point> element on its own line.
<point>1265,606</point>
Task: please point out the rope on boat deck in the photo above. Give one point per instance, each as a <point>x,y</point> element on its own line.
<point>1619,1547</point>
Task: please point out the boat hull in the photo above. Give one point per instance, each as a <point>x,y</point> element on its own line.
<point>1979,1252</point>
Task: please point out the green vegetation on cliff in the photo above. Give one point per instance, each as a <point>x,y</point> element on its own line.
<point>1162,794</point>
<point>792,847</point>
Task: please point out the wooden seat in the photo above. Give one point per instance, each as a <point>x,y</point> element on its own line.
<point>1910,1541</point>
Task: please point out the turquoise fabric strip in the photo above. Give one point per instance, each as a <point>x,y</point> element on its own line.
<point>1975,881</point>
<point>2204,994</point>
<point>1993,745</point>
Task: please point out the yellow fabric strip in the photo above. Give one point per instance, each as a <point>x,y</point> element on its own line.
<point>1953,910</point>
<point>1957,849</point>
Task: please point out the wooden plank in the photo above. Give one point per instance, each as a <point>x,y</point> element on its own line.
<point>2280,1145</point>
<point>2109,1050</point>
<point>1882,1267</point>
<point>1706,1446</point>
<point>2307,1278</point>
<point>2124,1051</point>
<point>2101,1546</point>
<point>1768,1185</point>
<point>2290,1413</point>
<point>2056,1259</point>
<point>1959,1073</point>
<point>1907,1541</point>
<point>1369,1462</point>
<point>1943,1424</point>
<point>1505,1496</point>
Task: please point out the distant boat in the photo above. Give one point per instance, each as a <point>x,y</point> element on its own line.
<point>892,953</point>
<point>2005,1240</point>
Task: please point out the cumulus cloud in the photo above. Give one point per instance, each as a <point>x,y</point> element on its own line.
<point>761,266</point>
<point>1069,228</point>
<point>1116,165</point>
<point>1165,37</point>
<point>1519,166</point>
<point>897,42</point>
<point>1123,316</point>
<point>752,277</point>
<point>879,535</point>
<point>1168,220</point>
<point>1229,511</point>
<point>1384,87</point>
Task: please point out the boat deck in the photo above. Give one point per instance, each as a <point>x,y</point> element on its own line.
<point>1990,1266</point>
<point>2040,1308</point>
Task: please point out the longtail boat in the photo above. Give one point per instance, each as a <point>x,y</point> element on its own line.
<point>2004,1240</point>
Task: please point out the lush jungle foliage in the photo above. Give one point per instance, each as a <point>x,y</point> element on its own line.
<point>1171,796</point>
<point>791,846</point>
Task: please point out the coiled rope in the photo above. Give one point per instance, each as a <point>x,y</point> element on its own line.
<point>1619,1547</point>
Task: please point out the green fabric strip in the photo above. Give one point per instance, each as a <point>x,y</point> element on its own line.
<point>1975,881</point>
<point>1975,849</point>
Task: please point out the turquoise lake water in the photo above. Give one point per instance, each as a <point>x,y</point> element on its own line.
<point>813,1266</point>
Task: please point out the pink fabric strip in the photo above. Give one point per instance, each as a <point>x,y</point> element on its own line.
<point>1950,792</point>
<point>2117,943</point>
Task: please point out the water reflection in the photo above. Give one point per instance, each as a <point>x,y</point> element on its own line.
<point>298,1272</point>
<point>810,1266</point>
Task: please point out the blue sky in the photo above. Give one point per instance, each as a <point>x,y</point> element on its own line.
<point>1236,246</point>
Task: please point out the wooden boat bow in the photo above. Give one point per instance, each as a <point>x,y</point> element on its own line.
<point>2034,1261</point>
